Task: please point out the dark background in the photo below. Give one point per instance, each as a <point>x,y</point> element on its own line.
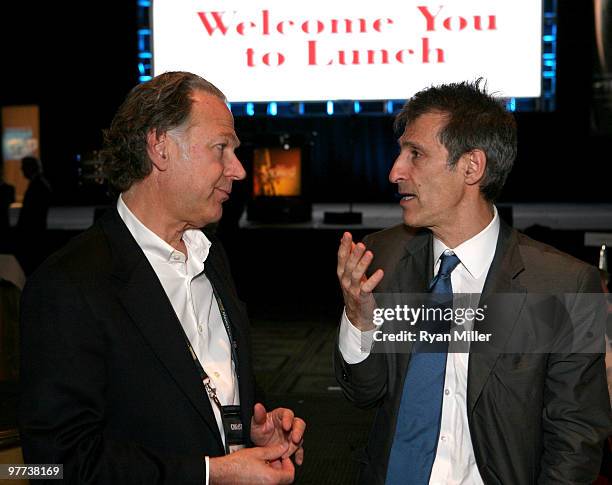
<point>77,61</point>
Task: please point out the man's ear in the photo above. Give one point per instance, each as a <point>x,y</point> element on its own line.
<point>157,149</point>
<point>475,166</point>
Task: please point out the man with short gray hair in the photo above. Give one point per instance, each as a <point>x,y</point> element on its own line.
<point>523,406</point>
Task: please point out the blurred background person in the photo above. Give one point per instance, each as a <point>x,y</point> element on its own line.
<point>36,201</point>
<point>32,222</point>
<point>7,197</point>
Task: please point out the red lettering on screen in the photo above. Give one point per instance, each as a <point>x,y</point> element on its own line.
<point>219,25</point>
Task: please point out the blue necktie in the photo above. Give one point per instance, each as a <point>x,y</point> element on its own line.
<point>418,421</point>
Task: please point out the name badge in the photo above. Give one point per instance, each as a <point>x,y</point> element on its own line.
<point>232,425</point>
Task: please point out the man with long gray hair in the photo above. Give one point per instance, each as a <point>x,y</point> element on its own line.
<point>136,366</point>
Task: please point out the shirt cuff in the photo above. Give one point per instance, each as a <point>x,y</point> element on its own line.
<point>354,345</point>
<point>207,461</point>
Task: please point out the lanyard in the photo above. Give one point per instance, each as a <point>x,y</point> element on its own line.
<point>209,387</point>
<point>211,391</point>
<point>228,330</point>
<point>226,324</point>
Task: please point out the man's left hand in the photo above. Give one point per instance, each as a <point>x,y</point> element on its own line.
<point>278,426</point>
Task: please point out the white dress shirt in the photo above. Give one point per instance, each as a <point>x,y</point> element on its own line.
<point>454,463</point>
<point>191,295</point>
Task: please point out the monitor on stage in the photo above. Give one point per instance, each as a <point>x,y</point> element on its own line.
<point>277,172</point>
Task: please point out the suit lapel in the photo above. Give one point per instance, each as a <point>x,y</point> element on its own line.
<point>412,276</point>
<point>415,269</point>
<point>145,301</point>
<point>504,298</point>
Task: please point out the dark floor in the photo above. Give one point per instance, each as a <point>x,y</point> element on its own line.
<point>293,365</point>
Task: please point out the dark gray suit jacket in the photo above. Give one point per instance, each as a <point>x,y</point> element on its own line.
<point>108,386</point>
<point>538,416</point>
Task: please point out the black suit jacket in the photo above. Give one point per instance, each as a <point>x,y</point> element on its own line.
<point>535,416</point>
<point>108,386</point>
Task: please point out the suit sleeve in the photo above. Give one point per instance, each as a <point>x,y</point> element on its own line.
<point>62,406</point>
<point>576,416</point>
<point>364,384</point>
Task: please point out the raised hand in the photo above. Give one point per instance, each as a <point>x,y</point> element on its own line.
<point>353,262</point>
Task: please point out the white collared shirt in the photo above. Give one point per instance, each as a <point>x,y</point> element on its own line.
<point>191,295</point>
<point>454,463</point>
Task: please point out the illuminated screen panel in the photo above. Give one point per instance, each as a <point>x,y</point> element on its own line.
<point>273,50</point>
<point>277,172</point>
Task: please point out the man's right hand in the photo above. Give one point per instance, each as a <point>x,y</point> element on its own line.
<point>259,465</point>
<point>353,261</point>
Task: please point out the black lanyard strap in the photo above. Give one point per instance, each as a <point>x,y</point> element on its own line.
<point>227,325</point>
<point>209,387</point>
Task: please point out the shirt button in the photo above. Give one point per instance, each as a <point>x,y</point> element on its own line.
<point>200,328</point>
<point>442,438</point>
<point>446,391</point>
<point>216,374</point>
